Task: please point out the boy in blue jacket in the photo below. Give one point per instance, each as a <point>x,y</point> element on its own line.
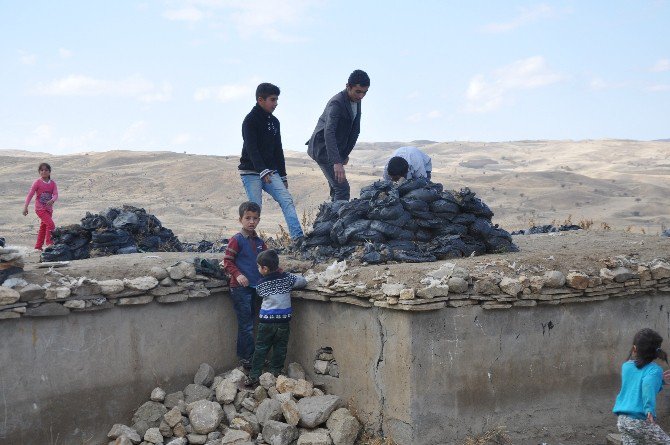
<point>275,315</point>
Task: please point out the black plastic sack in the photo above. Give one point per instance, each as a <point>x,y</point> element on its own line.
<point>2,242</point>
<point>348,232</point>
<point>353,211</point>
<point>464,219</point>
<point>386,212</point>
<point>481,228</point>
<point>56,252</point>
<point>151,243</point>
<point>369,235</point>
<point>429,223</point>
<point>407,186</point>
<point>469,203</point>
<point>414,205</point>
<point>451,229</point>
<point>111,238</point>
<point>402,244</point>
<point>313,241</point>
<point>426,194</point>
<point>423,235</point>
<point>444,206</point>
<point>209,267</point>
<point>391,231</point>
<point>322,228</point>
<point>127,221</point>
<point>126,250</point>
<point>413,256</point>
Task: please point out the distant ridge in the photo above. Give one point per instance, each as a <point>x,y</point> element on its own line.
<point>661,140</point>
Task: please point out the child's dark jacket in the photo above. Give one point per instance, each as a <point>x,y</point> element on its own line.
<point>262,150</point>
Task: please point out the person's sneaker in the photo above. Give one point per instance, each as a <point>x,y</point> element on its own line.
<point>251,382</point>
<point>245,363</point>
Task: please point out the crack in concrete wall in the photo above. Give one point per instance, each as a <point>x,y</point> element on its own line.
<point>377,377</point>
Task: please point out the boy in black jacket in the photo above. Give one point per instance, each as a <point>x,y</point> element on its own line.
<point>262,165</point>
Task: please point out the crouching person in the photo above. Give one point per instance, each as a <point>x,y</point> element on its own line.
<point>275,315</point>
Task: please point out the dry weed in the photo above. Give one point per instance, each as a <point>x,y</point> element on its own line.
<point>605,226</point>
<point>568,221</point>
<point>586,224</point>
<point>367,439</point>
<point>496,436</point>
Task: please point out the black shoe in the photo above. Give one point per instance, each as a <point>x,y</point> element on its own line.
<point>246,364</point>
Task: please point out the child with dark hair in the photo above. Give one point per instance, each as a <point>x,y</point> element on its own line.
<point>239,262</point>
<point>262,165</point>
<point>408,163</point>
<point>641,381</point>
<point>46,193</point>
<point>275,314</point>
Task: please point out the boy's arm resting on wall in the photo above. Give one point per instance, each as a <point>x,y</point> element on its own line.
<point>229,256</point>
<point>299,282</point>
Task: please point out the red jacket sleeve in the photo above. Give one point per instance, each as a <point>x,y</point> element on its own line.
<point>229,259</point>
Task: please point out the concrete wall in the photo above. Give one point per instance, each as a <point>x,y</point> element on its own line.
<point>422,378</point>
<point>67,380</point>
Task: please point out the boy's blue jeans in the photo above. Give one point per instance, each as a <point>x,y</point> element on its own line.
<point>254,186</point>
<point>246,304</point>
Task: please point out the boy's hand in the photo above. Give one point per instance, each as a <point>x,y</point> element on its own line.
<point>346,161</point>
<point>267,178</point>
<point>285,181</point>
<point>242,280</point>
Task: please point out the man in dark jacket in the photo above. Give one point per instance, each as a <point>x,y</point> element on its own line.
<point>336,133</point>
<point>262,165</point>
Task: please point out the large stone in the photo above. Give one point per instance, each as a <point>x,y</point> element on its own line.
<point>236,437</point>
<point>317,437</point>
<point>197,439</point>
<point>577,280</point>
<point>57,293</point>
<point>165,429</point>
<point>6,315</point>
<point>392,289</point>
<point>111,287</point>
<point>182,270</point>
<point>158,273</point>
<point>343,427</point>
<point>303,388</point>
<point>660,270</point>
<point>205,375</point>
<point>140,283</point>
<point>47,310</point>
<point>177,441</point>
<point>172,417</point>
<point>279,433</point>
<point>252,421</point>
<point>486,286</point>
<point>267,380</point>
<point>295,371</point>
<point>226,391</point>
<point>235,375</point>
<point>172,399</point>
<point>172,298</point>
<point>229,412</point>
<point>32,292</point>
<point>157,394</point>
<point>193,393</point>
<point>119,429</point>
<point>8,296</point>
<point>151,413</point>
<point>290,411</point>
<point>205,416</point>
<point>163,290</point>
<point>75,304</point>
<point>439,290</point>
<point>510,286</point>
<point>285,384</point>
<point>269,409</point>
<point>131,301</point>
<point>316,410</point>
<point>86,287</point>
<point>243,424</point>
<point>554,279</point>
<point>408,294</point>
<point>153,435</point>
<point>121,440</point>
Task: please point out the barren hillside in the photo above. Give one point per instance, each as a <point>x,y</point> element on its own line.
<point>623,184</point>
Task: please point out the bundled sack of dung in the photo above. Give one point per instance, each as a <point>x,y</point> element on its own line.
<point>413,221</point>
<point>113,231</point>
<point>11,261</point>
<point>547,228</point>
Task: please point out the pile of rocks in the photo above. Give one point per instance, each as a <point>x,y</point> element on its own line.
<point>113,231</point>
<point>66,294</point>
<point>414,221</point>
<point>219,410</point>
<point>547,228</point>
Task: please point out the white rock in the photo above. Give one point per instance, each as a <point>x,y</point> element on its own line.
<point>57,293</point>
<point>111,287</point>
<point>510,286</point>
<point>141,283</point>
<point>158,395</point>
<point>75,304</point>
<point>8,295</point>
<point>392,289</point>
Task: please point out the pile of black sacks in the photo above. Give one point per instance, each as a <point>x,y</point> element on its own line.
<point>114,231</point>
<point>415,221</point>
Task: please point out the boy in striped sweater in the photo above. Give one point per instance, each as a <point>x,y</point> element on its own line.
<point>275,314</point>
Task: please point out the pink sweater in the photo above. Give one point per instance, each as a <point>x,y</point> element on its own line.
<point>44,191</point>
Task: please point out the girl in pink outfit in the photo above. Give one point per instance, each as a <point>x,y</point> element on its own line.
<point>46,193</point>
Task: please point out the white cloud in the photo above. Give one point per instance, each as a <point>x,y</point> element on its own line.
<point>26,58</point>
<point>181,138</point>
<point>421,117</point>
<point>262,18</point>
<point>488,93</point>
<point>659,88</point>
<point>80,85</point>
<point>40,137</point>
<point>599,84</point>
<point>227,93</point>
<point>64,53</point>
<point>660,66</point>
<point>187,14</point>
<point>135,133</point>
<point>85,141</point>
<point>525,16</point>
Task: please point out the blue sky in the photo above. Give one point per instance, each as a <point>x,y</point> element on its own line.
<point>180,75</point>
